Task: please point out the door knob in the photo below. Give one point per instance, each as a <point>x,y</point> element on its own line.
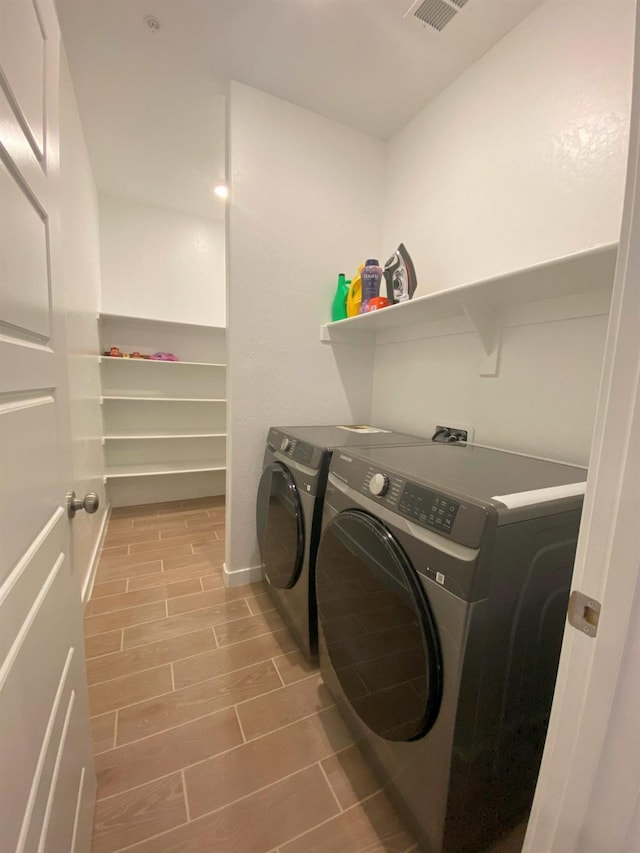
<point>89,503</point>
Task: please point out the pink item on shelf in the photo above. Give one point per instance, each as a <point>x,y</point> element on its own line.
<point>163,356</point>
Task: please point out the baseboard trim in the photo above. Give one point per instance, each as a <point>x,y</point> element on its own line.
<point>89,580</point>
<point>241,577</point>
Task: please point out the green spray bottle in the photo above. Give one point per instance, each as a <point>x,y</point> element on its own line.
<point>339,306</point>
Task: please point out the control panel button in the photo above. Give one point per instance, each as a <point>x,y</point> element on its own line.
<point>285,444</point>
<point>379,485</point>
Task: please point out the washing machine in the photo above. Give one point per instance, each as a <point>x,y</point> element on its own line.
<point>443,575</point>
<point>289,513</point>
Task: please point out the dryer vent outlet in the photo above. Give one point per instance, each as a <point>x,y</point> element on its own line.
<point>450,434</point>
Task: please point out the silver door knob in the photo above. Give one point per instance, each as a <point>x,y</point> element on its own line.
<point>89,503</point>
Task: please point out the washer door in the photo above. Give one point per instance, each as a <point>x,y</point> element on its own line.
<point>280,526</point>
<point>378,628</point>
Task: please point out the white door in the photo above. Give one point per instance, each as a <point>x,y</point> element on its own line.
<point>47,780</point>
<point>588,795</point>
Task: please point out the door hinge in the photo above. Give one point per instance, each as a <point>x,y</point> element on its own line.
<point>584,613</point>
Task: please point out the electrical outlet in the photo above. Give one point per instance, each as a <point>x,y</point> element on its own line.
<point>449,433</point>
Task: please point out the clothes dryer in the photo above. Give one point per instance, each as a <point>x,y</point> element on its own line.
<point>443,576</point>
<point>289,513</point>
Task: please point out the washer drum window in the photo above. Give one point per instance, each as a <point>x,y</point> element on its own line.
<point>378,628</point>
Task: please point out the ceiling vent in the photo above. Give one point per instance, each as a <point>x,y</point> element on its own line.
<point>435,13</point>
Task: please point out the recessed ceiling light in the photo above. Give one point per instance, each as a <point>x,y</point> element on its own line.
<point>221,190</point>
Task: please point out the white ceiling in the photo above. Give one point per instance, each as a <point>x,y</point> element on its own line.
<point>152,104</point>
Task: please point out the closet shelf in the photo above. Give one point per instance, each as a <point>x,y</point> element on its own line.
<point>162,434</point>
<point>115,472</point>
<point>165,399</point>
<point>106,359</point>
<point>485,302</point>
<point>151,321</point>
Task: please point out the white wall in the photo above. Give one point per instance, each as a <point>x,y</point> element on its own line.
<point>81,268</point>
<point>521,160</point>
<point>161,263</point>
<point>305,204</point>
<point>542,401</point>
<point>523,157</point>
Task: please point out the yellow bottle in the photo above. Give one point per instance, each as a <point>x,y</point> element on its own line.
<point>354,297</point>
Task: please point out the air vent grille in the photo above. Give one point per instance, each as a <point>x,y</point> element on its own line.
<point>435,13</point>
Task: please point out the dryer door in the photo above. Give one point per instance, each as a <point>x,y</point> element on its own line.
<point>280,526</point>
<point>377,627</point>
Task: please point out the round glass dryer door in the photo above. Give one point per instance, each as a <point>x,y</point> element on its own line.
<point>280,526</point>
<point>377,627</point>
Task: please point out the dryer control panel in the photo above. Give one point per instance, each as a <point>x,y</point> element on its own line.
<point>293,448</point>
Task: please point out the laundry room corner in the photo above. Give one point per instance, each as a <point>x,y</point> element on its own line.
<point>495,176</point>
<point>306,197</point>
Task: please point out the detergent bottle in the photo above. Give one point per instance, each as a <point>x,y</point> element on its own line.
<point>339,306</point>
<point>354,297</point>
<point>371,276</point>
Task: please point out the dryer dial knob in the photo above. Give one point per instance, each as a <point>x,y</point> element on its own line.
<point>285,444</point>
<point>379,485</point>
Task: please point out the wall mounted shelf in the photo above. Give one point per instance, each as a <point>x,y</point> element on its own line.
<point>485,303</point>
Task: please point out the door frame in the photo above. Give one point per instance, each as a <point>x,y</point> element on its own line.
<point>607,568</point>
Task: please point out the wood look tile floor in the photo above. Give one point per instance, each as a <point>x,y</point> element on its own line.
<point>212,734</point>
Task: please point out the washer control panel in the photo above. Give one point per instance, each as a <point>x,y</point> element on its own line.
<point>384,486</point>
<point>459,519</point>
<point>428,508</point>
<point>421,505</point>
<point>379,485</point>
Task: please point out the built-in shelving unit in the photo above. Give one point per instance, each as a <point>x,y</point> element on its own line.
<point>569,283</point>
<point>164,422</point>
